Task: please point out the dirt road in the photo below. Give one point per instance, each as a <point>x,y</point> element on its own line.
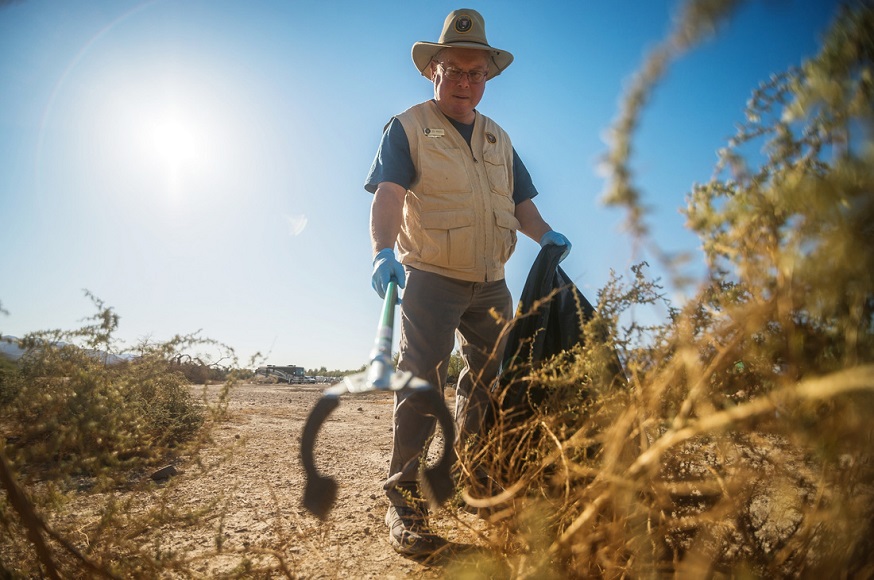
<point>254,495</point>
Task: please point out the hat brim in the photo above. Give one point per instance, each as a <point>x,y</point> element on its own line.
<point>423,53</point>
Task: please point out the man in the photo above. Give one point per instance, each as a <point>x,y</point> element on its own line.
<point>450,192</point>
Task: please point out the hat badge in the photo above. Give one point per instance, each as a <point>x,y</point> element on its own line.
<point>463,23</point>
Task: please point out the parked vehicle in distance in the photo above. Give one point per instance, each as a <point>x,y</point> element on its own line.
<point>290,374</point>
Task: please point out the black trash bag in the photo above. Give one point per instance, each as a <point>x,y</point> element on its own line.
<point>538,335</point>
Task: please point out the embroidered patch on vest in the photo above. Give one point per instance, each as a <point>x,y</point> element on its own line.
<point>491,138</point>
<point>429,132</point>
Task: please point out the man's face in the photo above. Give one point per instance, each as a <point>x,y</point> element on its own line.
<point>458,98</point>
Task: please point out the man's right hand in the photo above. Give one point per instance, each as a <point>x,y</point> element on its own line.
<point>385,269</point>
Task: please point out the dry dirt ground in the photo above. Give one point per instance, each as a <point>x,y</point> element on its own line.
<point>254,493</point>
<point>238,501</point>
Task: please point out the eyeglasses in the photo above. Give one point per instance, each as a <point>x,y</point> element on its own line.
<point>451,73</point>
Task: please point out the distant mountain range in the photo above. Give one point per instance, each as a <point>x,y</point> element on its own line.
<point>9,348</point>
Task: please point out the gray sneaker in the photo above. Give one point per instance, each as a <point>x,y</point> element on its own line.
<point>409,532</point>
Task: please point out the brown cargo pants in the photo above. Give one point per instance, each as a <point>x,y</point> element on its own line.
<point>436,310</point>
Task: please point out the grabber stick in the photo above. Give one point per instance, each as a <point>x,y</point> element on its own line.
<point>320,491</point>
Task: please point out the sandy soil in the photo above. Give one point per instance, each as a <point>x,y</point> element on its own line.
<point>244,492</point>
<point>256,492</point>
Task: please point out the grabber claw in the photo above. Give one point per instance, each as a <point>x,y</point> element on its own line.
<point>320,491</point>
<point>437,480</point>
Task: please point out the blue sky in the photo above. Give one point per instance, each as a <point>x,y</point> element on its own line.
<point>198,164</point>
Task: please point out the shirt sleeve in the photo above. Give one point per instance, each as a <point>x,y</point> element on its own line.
<point>523,187</point>
<point>393,162</point>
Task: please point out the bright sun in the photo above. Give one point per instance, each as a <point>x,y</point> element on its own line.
<point>174,140</point>
<point>177,146</point>
<point>169,137</point>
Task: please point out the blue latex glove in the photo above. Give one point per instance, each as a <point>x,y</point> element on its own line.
<point>556,239</point>
<point>385,269</point>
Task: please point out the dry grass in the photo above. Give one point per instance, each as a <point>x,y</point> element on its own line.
<point>738,440</point>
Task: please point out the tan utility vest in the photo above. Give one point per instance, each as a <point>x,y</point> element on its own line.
<point>459,214</point>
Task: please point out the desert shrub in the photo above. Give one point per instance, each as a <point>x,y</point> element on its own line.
<point>8,370</point>
<point>76,416</point>
<point>741,440</point>
<point>75,407</point>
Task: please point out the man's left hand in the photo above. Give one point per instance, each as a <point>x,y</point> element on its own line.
<point>556,239</point>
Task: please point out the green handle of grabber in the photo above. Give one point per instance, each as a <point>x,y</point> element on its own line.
<point>380,372</point>
<point>388,307</point>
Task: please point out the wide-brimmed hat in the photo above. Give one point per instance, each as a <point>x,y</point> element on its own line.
<point>464,28</point>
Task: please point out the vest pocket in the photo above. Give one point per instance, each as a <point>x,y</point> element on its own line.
<point>448,239</point>
<point>497,172</point>
<point>441,167</point>
<point>505,233</point>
